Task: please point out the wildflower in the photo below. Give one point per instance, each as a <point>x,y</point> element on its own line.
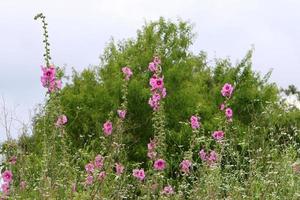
<point>89,168</point>
<point>164,92</point>
<point>98,161</point>
<point>159,164</point>
<point>101,176</point>
<point>194,122</point>
<point>139,174</point>
<point>5,188</point>
<point>7,176</point>
<point>218,135</point>
<point>168,190</point>
<point>119,168</point>
<point>107,128</point>
<point>151,145</point>
<point>154,101</point>
<point>151,154</point>
<point>89,180</point>
<point>13,160</point>
<point>61,120</point>
<point>227,90</point>
<point>202,154</point>
<point>23,185</point>
<point>156,60</point>
<point>121,113</point>
<point>222,106</point>
<point>48,75</point>
<point>156,83</point>
<point>152,67</point>
<point>213,157</point>
<point>185,166</point>
<point>228,113</point>
<point>127,71</point>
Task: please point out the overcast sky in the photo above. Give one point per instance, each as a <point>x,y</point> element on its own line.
<point>79,31</point>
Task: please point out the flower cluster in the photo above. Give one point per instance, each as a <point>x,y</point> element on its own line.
<point>195,124</point>
<point>127,72</point>
<point>227,91</point>
<point>61,120</point>
<point>151,149</point>
<point>168,190</point>
<point>218,135</point>
<point>7,177</point>
<point>49,79</point>
<point>107,128</point>
<point>139,174</point>
<point>157,84</point>
<point>210,158</point>
<point>121,114</point>
<point>185,166</point>
<point>94,168</point>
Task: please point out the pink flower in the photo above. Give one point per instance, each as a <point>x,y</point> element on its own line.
<point>89,180</point>
<point>228,113</point>
<point>151,154</point>
<point>127,71</point>
<point>7,176</point>
<point>151,145</point>
<point>154,101</point>
<point>23,185</point>
<point>61,120</point>
<point>119,168</point>
<point>227,90</point>
<point>156,60</point>
<point>152,67</point>
<point>218,135</point>
<point>107,128</point>
<point>213,157</point>
<point>194,122</point>
<point>159,164</point>
<point>185,166</point>
<point>13,160</point>
<point>89,168</point>
<point>122,113</point>
<point>48,75</point>
<point>168,190</point>
<point>202,154</point>
<point>222,106</point>
<point>139,174</point>
<point>5,188</point>
<point>99,161</point>
<point>156,83</point>
<point>101,176</point>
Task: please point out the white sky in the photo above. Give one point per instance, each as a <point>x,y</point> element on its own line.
<point>79,31</point>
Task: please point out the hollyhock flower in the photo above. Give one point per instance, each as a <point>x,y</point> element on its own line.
<point>159,164</point>
<point>213,157</point>
<point>218,135</point>
<point>48,75</point>
<point>154,101</point>
<point>121,113</point>
<point>5,188</point>
<point>227,90</point>
<point>168,190</point>
<point>107,128</point>
<point>156,83</point>
<point>151,154</point>
<point>13,160</point>
<point>101,176</point>
<point>156,60</point>
<point>202,155</point>
<point>194,122</point>
<point>127,71</point>
<point>98,161</point>
<point>23,185</point>
<point>222,106</point>
<point>152,67</point>
<point>89,168</point>
<point>7,176</point>
<point>119,168</point>
<point>139,174</point>
<point>228,113</point>
<point>89,180</point>
<point>54,85</point>
<point>61,120</point>
<point>151,145</point>
<point>185,166</point>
